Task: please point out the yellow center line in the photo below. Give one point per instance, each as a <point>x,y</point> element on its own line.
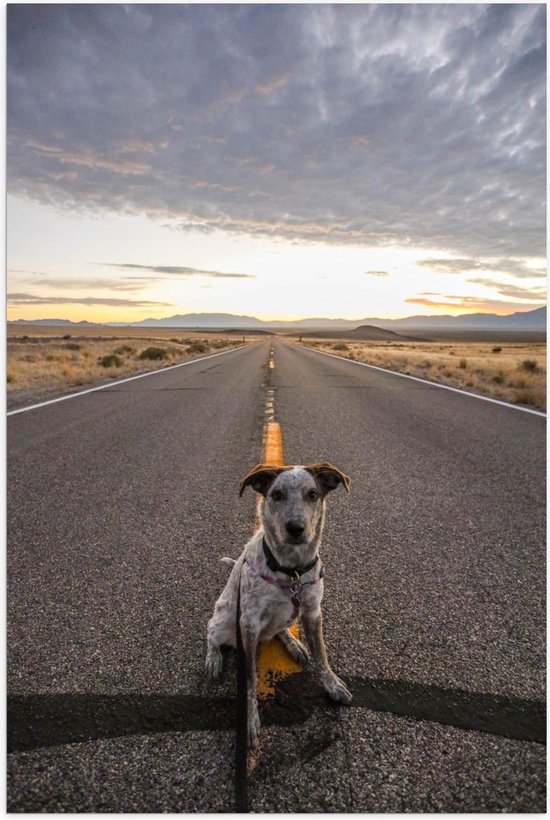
<point>274,663</point>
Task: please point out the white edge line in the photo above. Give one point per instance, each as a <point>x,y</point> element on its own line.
<point>431,384</point>
<point>121,381</point>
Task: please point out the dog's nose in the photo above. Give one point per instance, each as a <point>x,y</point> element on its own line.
<point>294,528</point>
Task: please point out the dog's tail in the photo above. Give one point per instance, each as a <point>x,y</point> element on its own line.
<point>230,562</point>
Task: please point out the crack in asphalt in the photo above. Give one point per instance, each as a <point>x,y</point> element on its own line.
<point>42,720</point>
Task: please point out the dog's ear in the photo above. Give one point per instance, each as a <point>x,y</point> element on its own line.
<point>261,478</point>
<point>328,476</point>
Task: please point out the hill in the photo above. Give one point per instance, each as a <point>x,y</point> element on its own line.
<point>367,333</point>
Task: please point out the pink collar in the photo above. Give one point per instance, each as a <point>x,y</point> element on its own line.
<point>295,587</point>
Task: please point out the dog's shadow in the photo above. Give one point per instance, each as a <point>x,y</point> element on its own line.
<point>42,720</point>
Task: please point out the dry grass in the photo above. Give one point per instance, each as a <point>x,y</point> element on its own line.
<point>511,372</point>
<point>51,360</point>
<point>17,331</point>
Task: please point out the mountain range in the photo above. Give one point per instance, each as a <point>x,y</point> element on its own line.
<point>521,320</point>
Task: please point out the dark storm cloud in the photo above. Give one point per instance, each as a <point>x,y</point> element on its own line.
<point>363,124</point>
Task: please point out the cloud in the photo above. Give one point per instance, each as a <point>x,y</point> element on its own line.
<point>93,161</point>
<point>381,273</point>
<point>514,267</point>
<point>513,291</point>
<point>468,303</point>
<point>30,299</point>
<point>371,124</point>
<point>177,270</point>
<point>127,284</point>
<point>456,265</point>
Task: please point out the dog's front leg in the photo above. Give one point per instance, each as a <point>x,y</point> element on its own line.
<point>249,638</point>
<point>331,683</point>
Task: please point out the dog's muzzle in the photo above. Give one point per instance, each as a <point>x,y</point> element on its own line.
<point>295,530</point>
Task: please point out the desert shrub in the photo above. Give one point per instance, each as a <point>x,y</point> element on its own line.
<point>111,360</point>
<point>124,349</point>
<point>198,346</point>
<point>10,376</point>
<point>340,346</point>
<point>499,377</point>
<point>463,364</point>
<point>224,343</point>
<point>153,353</point>
<point>66,336</point>
<point>535,396</point>
<point>529,366</point>
<point>496,350</point>
<point>72,345</point>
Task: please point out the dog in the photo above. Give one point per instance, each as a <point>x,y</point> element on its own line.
<point>280,576</point>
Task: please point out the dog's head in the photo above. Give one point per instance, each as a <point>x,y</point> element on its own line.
<point>293,510</point>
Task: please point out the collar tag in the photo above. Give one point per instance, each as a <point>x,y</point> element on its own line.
<point>296,589</point>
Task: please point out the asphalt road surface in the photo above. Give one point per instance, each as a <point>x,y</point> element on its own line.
<point>121,502</point>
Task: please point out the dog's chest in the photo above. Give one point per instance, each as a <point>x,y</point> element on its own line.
<point>280,608</point>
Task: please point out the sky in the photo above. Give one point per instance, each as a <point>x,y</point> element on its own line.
<point>281,161</point>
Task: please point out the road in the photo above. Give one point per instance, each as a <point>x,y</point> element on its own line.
<point>121,502</point>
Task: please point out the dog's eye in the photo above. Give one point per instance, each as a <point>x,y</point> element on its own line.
<point>277,495</point>
<point>313,495</point>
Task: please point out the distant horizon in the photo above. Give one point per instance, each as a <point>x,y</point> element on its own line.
<point>267,319</point>
<point>317,319</point>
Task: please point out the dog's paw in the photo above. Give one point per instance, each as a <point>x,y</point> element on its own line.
<point>337,689</point>
<point>214,662</point>
<point>298,652</point>
<point>295,648</point>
